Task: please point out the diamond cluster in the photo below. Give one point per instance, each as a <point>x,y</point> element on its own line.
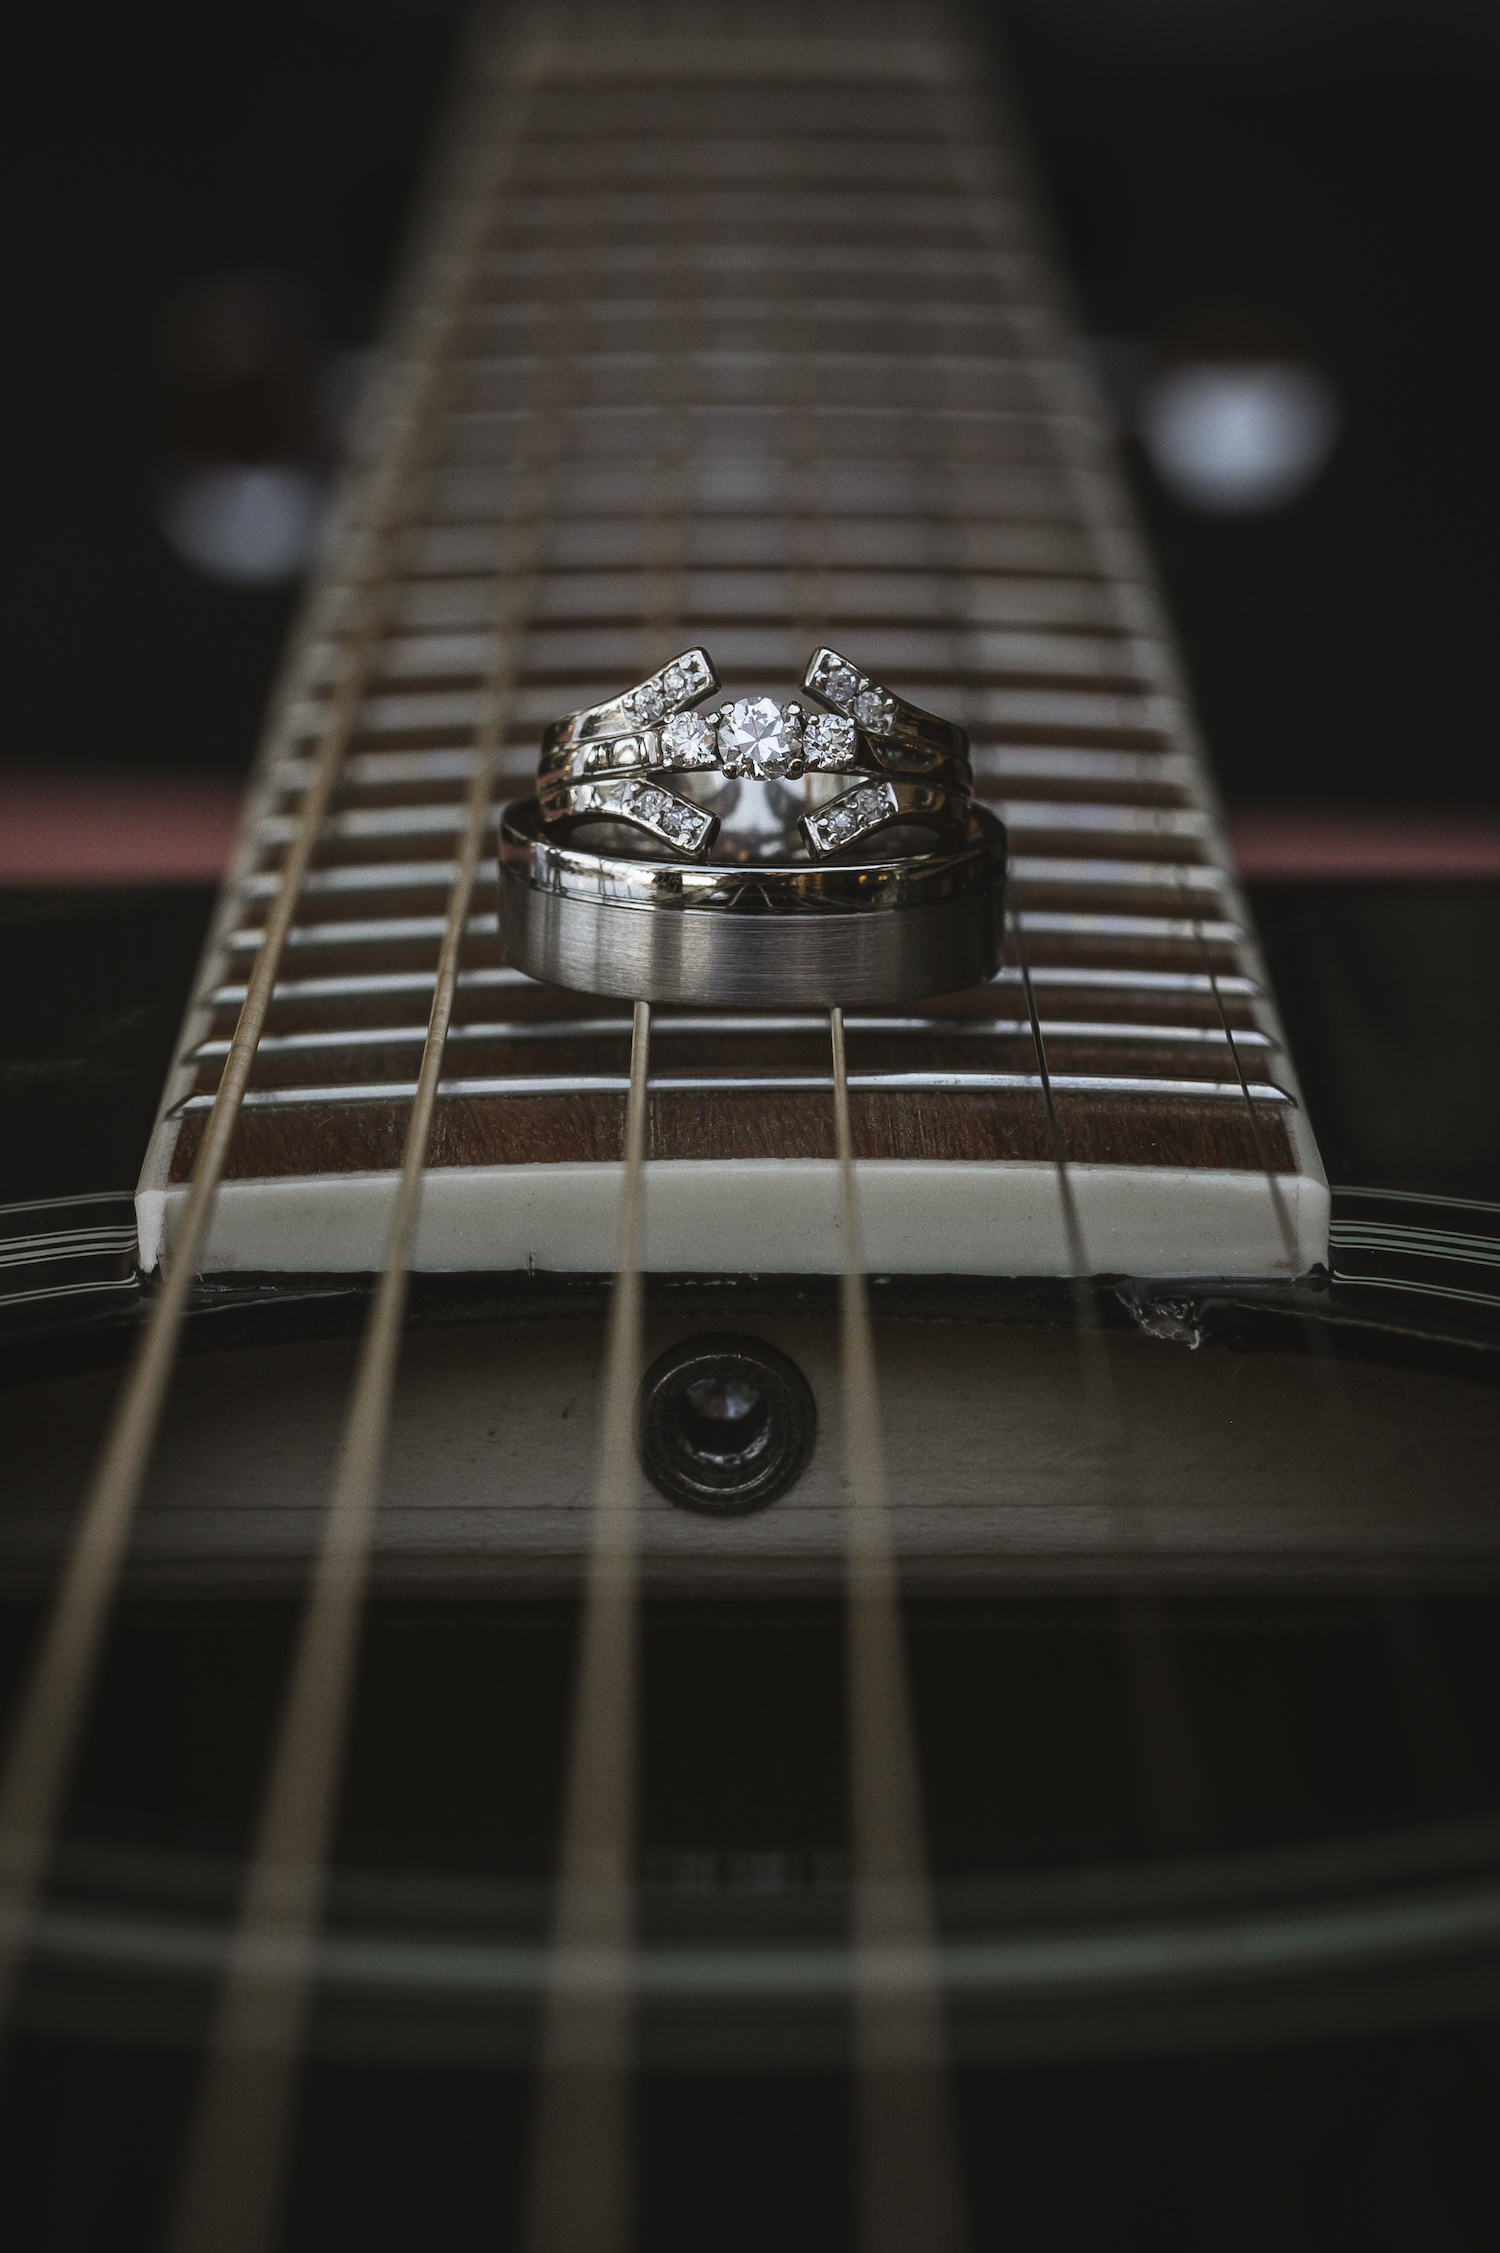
<point>678,683</point>
<point>854,693</point>
<point>656,810</point>
<point>755,736</point>
<point>852,816</point>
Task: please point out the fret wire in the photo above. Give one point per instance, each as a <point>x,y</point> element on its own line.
<point>523,1031</point>
<point>1263,1155</point>
<point>1068,1203</point>
<point>908,2181</point>
<point>519,1086</point>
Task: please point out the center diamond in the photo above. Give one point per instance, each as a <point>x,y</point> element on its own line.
<point>756,729</point>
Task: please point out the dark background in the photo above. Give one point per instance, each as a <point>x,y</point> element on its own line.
<point>1309,179</point>
<point>1298,177</point>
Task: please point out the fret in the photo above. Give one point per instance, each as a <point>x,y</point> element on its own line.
<point>447,551</point>
<point>935,1031</point>
<point>764,585</point>
<point>723,602</point>
<point>584,661</point>
<point>1005,495</point>
<point>963,440</point>
<point>490,393</point>
<point>707,1084</point>
<point>801,271</point>
<point>371,931</point>
<point>785,161</point>
<point>289,990</point>
<point>1122,988</point>
<point>753,328</point>
<point>821,352</point>
<point>639,221</point>
<point>725,610</point>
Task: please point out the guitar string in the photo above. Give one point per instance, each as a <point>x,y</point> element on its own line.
<point>579,2192</point>
<point>1078,1259</point>
<point>1437,1732</point>
<point>60,1679</point>
<point>1405,1633</point>
<point>1180,1787</point>
<point>1280,1214</point>
<point>901,2074</point>
<point>237,2147</point>
<point>1078,426</point>
<point>579,2189</point>
<point>908,2190</point>
<point>236,2153</point>
<point>1436,1729</point>
<point>849,1363</point>
<point>909,2185</point>
<point>1168,1757</point>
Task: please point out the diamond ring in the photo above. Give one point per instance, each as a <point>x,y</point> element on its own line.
<point>601,764</point>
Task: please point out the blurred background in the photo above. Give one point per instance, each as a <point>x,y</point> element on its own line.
<point>1278,217</point>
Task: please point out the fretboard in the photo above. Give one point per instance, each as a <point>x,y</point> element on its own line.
<point>752,346</point>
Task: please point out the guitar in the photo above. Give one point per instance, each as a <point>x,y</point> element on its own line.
<point>691,1620</point>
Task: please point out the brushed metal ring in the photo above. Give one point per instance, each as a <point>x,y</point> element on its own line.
<point>751,934</point>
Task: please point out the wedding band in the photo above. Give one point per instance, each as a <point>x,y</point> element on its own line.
<point>762,933</point>
<point>601,764</point>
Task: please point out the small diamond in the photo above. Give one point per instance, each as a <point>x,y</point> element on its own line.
<point>690,738</point>
<point>841,684</point>
<point>829,741</point>
<point>872,709</point>
<point>757,730</point>
<point>648,702</point>
<point>674,681</point>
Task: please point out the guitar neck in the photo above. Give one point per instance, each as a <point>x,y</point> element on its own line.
<point>754,344</point>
